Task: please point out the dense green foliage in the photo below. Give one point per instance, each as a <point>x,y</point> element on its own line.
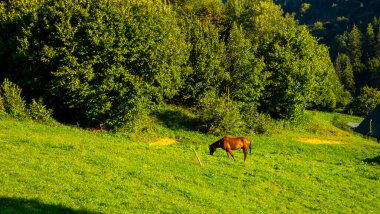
<point>163,70</point>
<point>328,18</point>
<point>2,107</point>
<point>11,100</point>
<point>300,72</point>
<point>109,63</point>
<point>352,31</point>
<point>69,170</point>
<point>106,61</point>
<point>367,100</point>
<point>39,112</point>
<point>13,105</point>
<point>359,54</point>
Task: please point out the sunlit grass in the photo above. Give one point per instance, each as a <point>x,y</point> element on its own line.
<point>63,168</point>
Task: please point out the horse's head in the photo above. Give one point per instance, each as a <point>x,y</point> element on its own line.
<point>212,149</point>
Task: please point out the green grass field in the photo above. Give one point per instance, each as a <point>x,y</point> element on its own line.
<point>60,169</point>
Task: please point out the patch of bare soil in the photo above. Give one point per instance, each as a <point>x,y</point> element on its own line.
<point>319,141</point>
<point>164,142</point>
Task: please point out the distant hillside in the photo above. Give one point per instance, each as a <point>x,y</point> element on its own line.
<point>351,30</point>
<point>335,16</point>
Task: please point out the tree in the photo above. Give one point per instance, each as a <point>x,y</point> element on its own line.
<point>367,100</point>
<point>304,7</point>
<point>246,80</point>
<point>370,41</point>
<point>354,46</point>
<point>105,62</point>
<point>377,45</point>
<point>345,73</point>
<point>207,62</point>
<point>300,70</point>
<point>109,62</point>
<point>373,72</point>
<point>18,53</point>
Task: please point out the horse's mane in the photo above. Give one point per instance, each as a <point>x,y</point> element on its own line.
<point>218,142</point>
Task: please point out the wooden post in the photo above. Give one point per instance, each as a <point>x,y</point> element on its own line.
<point>196,155</point>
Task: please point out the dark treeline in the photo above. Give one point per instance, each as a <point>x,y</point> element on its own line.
<point>110,62</point>
<point>351,30</point>
<point>357,63</point>
<point>328,18</point>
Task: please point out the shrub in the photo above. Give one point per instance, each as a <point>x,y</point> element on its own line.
<point>39,112</point>
<point>14,105</point>
<point>345,99</point>
<point>218,116</point>
<point>2,109</point>
<point>133,115</point>
<point>258,122</point>
<point>367,100</point>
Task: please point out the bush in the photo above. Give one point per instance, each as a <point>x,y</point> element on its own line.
<point>258,122</point>
<point>2,109</point>
<point>133,115</point>
<point>14,105</point>
<point>345,99</point>
<point>367,100</point>
<point>39,112</point>
<point>218,116</point>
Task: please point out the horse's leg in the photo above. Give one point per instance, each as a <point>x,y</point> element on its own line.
<point>245,153</point>
<point>228,154</point>
<point>233,156</point>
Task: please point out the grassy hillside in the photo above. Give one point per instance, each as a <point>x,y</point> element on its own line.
<point>316,167</point>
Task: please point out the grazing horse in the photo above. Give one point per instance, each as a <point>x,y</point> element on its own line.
<point>232,143</point>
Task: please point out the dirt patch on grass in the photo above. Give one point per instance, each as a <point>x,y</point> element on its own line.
<point>319,141</point>
<point>164,142</point>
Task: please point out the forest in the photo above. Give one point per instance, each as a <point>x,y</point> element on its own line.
<point>351,30</point>
<point>110,63</point>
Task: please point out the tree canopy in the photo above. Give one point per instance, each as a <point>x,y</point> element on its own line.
<point>110,62</point>
<point>351,30</point>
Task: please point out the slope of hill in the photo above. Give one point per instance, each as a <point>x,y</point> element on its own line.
<point>336,16</point>
<point>317,167</point>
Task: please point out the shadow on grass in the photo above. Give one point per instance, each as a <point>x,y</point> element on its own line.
<point>176,119</point>
<point>20,205</point>
<point>375,160</point>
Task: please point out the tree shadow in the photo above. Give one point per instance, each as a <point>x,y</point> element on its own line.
<point>34,206</point>
<point>176,119</point>
<point>375,160</point>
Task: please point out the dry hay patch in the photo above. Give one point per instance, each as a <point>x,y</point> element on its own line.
<point>164,142</point>
<point>319,141</point>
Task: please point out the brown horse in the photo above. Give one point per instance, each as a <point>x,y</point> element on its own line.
<point>232,143</point>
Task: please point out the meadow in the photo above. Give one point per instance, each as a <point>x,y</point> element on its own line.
<point>319,167</point>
